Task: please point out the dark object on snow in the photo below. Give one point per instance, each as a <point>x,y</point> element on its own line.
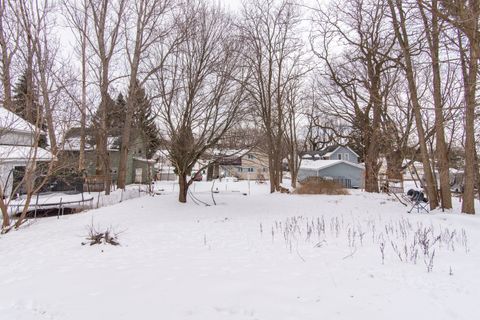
<point>418,200</point>
<point>416,195</point>
<point>106,237</point>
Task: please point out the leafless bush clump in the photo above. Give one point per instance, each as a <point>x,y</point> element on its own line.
<point>321,186</point>
<point>400,240</point>
<point>96,236</point>
<point>408,242</point>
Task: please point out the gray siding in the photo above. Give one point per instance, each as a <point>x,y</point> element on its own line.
<point>305,173</point>
<point>340,170</point>
<point>352,157</point>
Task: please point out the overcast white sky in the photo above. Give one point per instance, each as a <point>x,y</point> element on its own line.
<point>68,42</point>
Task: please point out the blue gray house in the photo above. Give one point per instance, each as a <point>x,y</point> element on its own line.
<point>335,152</point>
<point>337,163</point>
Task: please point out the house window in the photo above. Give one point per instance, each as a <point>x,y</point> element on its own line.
<point>250,156</point>
<point>346,157</point>
<point>249,169</point>
<point>240,169</point>
<point>339,156</point>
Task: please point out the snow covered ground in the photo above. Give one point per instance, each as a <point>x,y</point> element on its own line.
<point>251,256</point>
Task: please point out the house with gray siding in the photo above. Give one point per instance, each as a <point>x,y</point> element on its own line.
<point>335,152</point>
<point>349,174</point>
<point>339,163</point>
<point>139,167</point>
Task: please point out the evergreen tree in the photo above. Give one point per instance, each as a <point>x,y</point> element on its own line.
<point>144,121</point>
<point>115,115</point>
<point>21,94</point>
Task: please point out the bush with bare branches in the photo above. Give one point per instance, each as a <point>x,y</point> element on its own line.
<point>320,186</point>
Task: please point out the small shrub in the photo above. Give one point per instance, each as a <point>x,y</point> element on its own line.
<point>97,237</point>
<point>316,185</point>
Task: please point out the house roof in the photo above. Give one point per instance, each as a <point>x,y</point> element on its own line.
<point>141,159</point>
<point>327,151</point>
<point>12,122</point>
<point>323,164</point>
<point>23,154</point>
<point>73,144</point>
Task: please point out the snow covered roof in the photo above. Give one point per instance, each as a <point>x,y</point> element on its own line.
<point>23,154</point>
<point>323,164</point>
<point>11,122</point>
<point>220,153</point>
<point>73,144</point>
<point>144,159</point>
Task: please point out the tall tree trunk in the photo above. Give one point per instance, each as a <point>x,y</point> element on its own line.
<point>182,181</point>
<point>371,159</point>
<point>6,77</point>
<point>433,36</point>
<point>468,204</point>
<point>7,94</point>
<point>271,171</point>
<point>394,165</point>
<point>371,177</point>
<point>103,162</point>
<point>23,215</point>
<point>402,36</point>
<point>83,107</point>
<point>442,152</point>
<point>47,106</point>
<point>124,148</point>
<point>293,166</point>
<point>130,108</point>
<point>29,99</point>
<point>4,209</point>
<point>104,152</point>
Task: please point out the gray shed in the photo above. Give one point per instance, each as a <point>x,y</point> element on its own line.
<point>351,175</point>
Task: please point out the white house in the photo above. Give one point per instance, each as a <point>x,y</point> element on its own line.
<point>16,139</point>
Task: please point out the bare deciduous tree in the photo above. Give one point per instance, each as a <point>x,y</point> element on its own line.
<point>400,26</point>
<point>271,38</point>
<point>356,48</point>
<point>106,20</point>
<point>148,19</point>
<point>77,16</point>
<point>464,15</point>
<point>200,91</point>
<point>9,42</point>
<point>433,31</point>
